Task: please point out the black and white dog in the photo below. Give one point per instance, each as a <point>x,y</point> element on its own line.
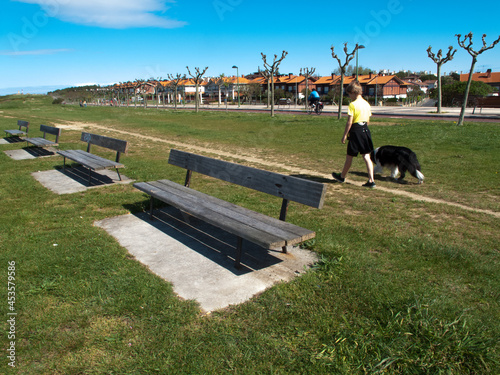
<point>399,160</point>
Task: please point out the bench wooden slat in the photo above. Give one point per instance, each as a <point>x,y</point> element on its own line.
<point>278,228</point>
<point>15,132</point>
<point>98,160</point>
<point>257,228</point>
<point>40,142</point>
<point>296,189</point>
<point>89,160</point>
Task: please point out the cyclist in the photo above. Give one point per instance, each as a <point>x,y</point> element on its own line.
<point>313,97</point>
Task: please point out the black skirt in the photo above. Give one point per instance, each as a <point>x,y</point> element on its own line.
<point>360,140</point>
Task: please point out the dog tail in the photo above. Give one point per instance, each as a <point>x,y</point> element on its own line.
<point>416,166</point>
<point>420,176</point>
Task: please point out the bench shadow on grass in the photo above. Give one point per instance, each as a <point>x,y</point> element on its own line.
<point>81,175</point>
<point>211,242</point>
<point>13,139</point>
<point>39,152</point>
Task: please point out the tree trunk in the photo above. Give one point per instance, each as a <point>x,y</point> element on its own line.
<point>439,88</point>
<point>272,96</point>
<point>268,92</point>
<point>341,95</point>
<point>306,102</point>
<point>196,103</point>
<point>466,96</point>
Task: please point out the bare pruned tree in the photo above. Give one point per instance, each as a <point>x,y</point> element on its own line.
<point>466,44</point>
<point>156,87</point>
<point>439,60</point>
<point>174,84</point>
<point>220,81</point>
<point>266,74</point>
<point>307,73</point>
<point>198,79</point>
<point>138,88</point>
<point>343,68</point>
<point>273,69</point>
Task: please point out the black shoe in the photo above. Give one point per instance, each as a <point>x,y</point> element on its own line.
<point>338,177</point>
<point>370,184</point>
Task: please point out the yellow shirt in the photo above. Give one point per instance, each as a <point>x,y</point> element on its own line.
<point>359,110</point>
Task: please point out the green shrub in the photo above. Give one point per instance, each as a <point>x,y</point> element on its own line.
<point>58,101</point>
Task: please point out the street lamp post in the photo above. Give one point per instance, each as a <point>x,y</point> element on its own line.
<point>296,91</point>
<point>238,83</point>
<point>359,47</point>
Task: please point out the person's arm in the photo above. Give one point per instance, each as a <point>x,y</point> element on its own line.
<point>347,128</point>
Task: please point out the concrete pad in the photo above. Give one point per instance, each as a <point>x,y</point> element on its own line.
<point>76,179</point>
<point>30,153</point>
<point>198,258</point>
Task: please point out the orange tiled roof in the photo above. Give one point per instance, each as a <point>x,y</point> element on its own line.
<point>327,80</point>
<point>259,80</point>
<point>291,79</point>
<point>492,77</point>
<point>366,79</point>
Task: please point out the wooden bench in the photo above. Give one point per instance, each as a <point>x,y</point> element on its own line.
<point>93,162</point>
<point>44,142</point>
<point>487,102</point>
<point>268,232</point>
<point>18,132</point>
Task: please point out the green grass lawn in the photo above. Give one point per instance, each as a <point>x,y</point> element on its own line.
<point>403,286</point>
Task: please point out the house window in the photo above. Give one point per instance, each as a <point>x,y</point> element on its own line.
<point>326,89</point>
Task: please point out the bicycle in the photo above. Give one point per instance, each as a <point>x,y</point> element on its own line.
<point>315,107</point>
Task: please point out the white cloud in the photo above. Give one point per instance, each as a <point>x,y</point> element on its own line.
<point>116,14</point>
<point>34,52</point>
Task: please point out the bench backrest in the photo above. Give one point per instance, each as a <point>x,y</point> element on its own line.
<point>489,100</point>
<point>289,188</point>
<point>51,130</point>
<point>117,145</point>
<point>23,124</point>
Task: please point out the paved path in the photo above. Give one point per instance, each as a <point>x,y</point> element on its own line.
<point>448,113</point>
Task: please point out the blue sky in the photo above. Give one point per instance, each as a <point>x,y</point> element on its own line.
<point>74,42</point>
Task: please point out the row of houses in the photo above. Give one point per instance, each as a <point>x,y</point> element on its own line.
<point>221,88</point>
<point>382,86</point>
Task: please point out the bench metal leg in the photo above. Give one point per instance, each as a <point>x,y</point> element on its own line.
<point>239,252</point>
<point>117,171</point>
<point>151,201</point>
